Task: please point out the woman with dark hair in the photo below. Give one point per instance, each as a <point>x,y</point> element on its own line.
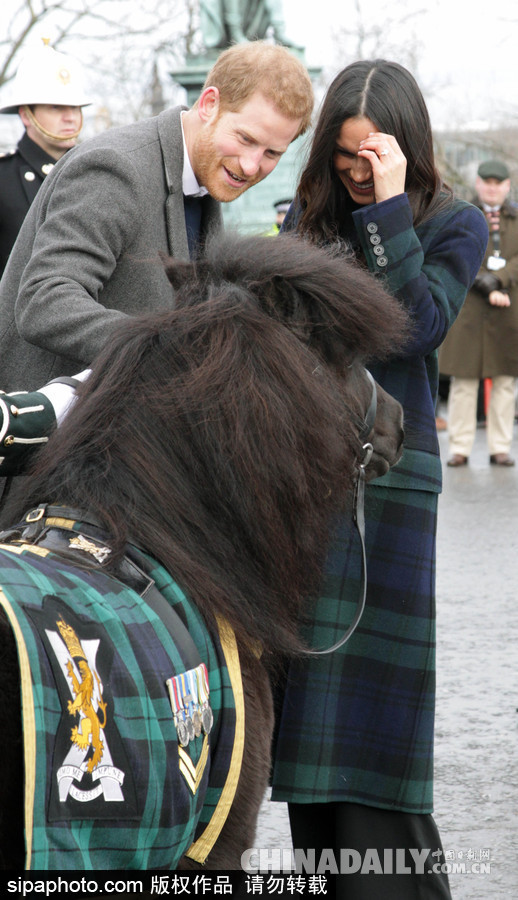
<point>354,750</point>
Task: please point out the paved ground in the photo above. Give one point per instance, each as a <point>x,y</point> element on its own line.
<point>476,793</point>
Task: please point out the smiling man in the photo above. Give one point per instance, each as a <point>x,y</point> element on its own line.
<point>88,253</point>
<point>231,151</point>
<point>48,95</point>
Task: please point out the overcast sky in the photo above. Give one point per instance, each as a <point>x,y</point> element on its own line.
<point>467,60</point>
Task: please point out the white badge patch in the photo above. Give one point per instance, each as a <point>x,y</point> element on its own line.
<point>77,661</point>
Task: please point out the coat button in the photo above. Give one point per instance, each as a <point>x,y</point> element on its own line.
<point>375,239</point>
<point>382,261</point>
<point>372,227</point>
<point>29,176</point>
<point>379,250</point>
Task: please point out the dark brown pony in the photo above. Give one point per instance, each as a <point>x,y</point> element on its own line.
<point>222,437</point>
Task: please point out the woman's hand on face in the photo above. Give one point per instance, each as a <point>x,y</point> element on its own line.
<point>388,164</point>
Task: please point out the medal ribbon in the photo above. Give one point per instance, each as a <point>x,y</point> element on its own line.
<point>202,677</point>
<point>186,694</point>
<point>174,695</point>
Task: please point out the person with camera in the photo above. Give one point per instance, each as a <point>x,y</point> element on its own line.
<point>483,341</point>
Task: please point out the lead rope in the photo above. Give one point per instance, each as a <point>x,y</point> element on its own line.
<point>358,515</point>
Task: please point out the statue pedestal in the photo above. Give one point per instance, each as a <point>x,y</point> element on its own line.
<point>192,76</point>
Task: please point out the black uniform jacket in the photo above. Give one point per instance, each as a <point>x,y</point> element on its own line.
<point>21,175</point>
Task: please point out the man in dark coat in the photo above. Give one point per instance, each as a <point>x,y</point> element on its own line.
<point>483,341</point>
<point>48,95</point>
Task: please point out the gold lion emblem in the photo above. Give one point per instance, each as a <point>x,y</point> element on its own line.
<point>88,732</point>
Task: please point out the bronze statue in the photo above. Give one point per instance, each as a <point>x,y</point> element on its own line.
<point>225,22</point>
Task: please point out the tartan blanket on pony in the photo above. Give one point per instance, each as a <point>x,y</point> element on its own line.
<point>132,740</point>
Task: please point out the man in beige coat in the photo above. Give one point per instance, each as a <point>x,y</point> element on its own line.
<point>483,342</point>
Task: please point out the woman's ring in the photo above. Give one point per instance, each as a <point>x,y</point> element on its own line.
<point>384,152</point>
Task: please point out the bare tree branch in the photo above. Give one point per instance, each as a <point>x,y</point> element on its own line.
<point>128,49</point>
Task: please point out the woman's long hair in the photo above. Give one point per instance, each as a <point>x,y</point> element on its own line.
<point>388,95</point>
<point>217,439</point>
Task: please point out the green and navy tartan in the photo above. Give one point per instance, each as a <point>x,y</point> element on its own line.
<point>429,268</point>
<point>158,813</point>
<point>357,725</point>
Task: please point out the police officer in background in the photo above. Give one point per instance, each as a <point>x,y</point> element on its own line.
<point>281,207</point>
<point>48,95</point>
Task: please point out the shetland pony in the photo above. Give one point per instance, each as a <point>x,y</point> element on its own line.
<point>213,443</point>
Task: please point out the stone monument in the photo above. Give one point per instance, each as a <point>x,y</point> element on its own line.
<point>225,22</point>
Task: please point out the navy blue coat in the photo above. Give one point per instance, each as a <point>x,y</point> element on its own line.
<point>357,725</point>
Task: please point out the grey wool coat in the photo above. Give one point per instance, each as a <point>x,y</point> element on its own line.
<point>88,252</point>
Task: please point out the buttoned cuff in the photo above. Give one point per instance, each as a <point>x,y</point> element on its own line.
<point>378,224</point>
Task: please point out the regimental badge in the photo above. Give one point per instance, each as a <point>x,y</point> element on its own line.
<point>189,696</point>
<point>90,766</point>
<point>64,76</point>
<point>89,748</point>
<point>99,551</point>
<point>89,729</point>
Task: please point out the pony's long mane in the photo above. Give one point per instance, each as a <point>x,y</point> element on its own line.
<point>332,303</point>
<point>215,439</point>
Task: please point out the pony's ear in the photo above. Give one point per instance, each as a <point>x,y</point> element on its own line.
<point>283,299</point>
<point>177,272</point>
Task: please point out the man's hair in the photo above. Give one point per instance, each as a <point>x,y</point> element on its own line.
<point>271,69</point>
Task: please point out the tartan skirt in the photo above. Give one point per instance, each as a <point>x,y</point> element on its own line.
<point>357,725</point>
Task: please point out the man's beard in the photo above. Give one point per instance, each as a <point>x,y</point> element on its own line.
<point>209,171</point>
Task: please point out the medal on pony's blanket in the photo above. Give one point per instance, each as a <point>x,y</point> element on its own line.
<point>203,692</point>
<point>188,703</point>
<point>195,713</point>
<point>189,696</point>
<point>179,713</point>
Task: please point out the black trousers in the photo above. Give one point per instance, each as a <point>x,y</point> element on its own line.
<point>379,841</point>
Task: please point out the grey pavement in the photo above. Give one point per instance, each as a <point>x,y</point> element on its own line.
<point>476,753</point>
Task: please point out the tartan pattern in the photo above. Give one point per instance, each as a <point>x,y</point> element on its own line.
<point>357,725</point>
<point>221,695</point>
<point>166,816</point>
<point>429,268</point>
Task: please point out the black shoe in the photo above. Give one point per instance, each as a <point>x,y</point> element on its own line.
<point>457,460</point>
<point>501,459</point>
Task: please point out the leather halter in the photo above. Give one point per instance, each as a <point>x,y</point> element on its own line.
<point>358,515</point>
